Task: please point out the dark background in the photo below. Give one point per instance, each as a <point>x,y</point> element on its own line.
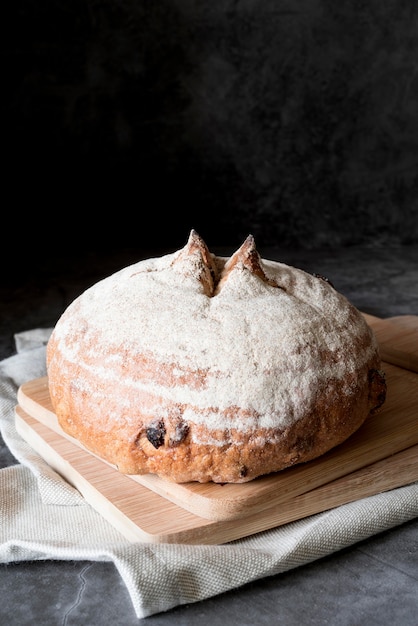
<point>128,122</point>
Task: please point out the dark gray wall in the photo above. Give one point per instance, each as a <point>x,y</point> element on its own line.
<point>296,120</point>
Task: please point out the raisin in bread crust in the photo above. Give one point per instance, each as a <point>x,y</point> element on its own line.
<point>201,368</point>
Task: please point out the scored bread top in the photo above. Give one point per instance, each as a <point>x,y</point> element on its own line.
<point>214,334</point>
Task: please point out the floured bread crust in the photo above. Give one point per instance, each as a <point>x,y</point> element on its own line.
<point>201,368</point>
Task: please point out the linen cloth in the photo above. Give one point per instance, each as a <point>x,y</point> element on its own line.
<point>43,517</point>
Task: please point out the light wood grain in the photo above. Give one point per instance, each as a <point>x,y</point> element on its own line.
<point>139,514</point>
<point>398,339</point>
<point>380,456</point>
<point>388,432</point>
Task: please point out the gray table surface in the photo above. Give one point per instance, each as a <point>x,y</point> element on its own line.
<point>374,582</point>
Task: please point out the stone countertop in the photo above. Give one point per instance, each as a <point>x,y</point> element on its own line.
<point>373,582</point>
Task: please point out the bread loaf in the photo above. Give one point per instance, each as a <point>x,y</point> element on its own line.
<point>197,367</point>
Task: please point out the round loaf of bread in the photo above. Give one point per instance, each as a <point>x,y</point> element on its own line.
<point>196,367</point>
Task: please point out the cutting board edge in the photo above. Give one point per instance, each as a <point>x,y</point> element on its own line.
<point>206,532</point>
<point>210,506</point>
<point>263,492</point>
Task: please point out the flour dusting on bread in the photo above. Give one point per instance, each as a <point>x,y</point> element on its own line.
<point>234,363</point>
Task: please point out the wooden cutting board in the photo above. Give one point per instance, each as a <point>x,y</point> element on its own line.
<point>386,433</point>
<point>398,339</point>
<point>382,455</point>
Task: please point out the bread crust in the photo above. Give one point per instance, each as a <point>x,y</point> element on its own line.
<point>199,368</point>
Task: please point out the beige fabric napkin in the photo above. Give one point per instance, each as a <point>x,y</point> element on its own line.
<point>43,517</point>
